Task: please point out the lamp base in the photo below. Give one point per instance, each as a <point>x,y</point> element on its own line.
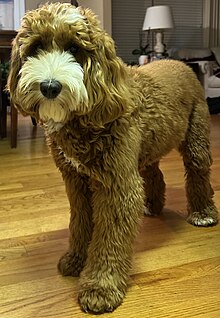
<point>159,48</point>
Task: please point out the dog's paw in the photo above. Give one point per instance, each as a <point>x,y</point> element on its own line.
<point>70,264</point>
<point>100,300</point>
<point>205,220</point>
<point>147,212</point>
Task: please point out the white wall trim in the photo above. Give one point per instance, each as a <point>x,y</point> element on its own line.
<point>19,10</point>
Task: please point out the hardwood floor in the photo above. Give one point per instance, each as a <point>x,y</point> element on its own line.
<point>176,271</point>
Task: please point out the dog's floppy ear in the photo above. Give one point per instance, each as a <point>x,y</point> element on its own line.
<point>106,77</point>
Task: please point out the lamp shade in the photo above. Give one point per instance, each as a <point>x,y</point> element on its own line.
<point>158,17</point>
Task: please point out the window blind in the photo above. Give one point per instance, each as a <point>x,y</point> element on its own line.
<point>127,21</point>
<point>128,17</point>
<point>188,18</point>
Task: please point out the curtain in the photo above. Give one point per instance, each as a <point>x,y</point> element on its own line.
<point>211,25</point>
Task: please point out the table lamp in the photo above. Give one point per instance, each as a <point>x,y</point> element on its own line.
<point>158,18</point>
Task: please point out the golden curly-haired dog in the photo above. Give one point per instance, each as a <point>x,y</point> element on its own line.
<point>107,127</point>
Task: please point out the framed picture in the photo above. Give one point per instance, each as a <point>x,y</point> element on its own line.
<point>11,12</point>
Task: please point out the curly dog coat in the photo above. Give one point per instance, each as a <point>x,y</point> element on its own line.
<point>107,127</point>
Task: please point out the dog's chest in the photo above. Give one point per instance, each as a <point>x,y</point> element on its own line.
<point>84,148</point>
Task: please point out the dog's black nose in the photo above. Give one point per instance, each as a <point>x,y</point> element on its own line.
<point>50,88</point>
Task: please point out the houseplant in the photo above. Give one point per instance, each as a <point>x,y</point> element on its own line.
<point>143,50</point>
<point>4,69</point>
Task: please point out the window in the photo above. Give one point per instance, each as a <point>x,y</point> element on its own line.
<point>128,18</point>
<point>11,12</point>
<point>188,19</point>
<point>127,21</point>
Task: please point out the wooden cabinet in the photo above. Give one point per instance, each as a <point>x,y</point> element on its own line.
<point>6,37</point>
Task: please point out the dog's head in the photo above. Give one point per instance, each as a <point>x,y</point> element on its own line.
<point>63,64</point>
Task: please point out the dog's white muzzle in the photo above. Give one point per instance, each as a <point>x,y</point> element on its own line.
<point>52,82</point>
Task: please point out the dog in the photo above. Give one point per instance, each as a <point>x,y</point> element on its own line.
<point>107,126</point>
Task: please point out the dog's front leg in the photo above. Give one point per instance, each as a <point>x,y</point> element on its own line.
<point>72,263</point>
<point>117,209</point>
<point>81,224</point>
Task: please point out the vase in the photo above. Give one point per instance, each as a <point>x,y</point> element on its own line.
<point>143,59</point>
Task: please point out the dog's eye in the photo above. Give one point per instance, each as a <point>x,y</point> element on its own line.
<point>34,49</point>
<point>73,49</point>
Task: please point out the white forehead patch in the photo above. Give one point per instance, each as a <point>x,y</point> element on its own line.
<point>73,15</point>
<point>69,15</point>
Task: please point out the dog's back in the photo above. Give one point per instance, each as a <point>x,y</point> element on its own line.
<point>172,93</point>
<point>174,79</point>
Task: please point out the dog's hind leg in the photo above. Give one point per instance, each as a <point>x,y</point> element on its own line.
<point>197,160</point>
<point>80,227</point>
<point>154,189</point>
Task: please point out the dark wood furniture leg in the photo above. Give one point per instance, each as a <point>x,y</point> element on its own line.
<point>14,126</point>
<point>4,114</point>
<point>3,110</point>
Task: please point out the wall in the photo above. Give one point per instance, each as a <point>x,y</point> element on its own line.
<point>33,4</point>
<point>103,9</point>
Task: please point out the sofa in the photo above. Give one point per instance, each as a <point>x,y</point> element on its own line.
<point>205,63</point>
